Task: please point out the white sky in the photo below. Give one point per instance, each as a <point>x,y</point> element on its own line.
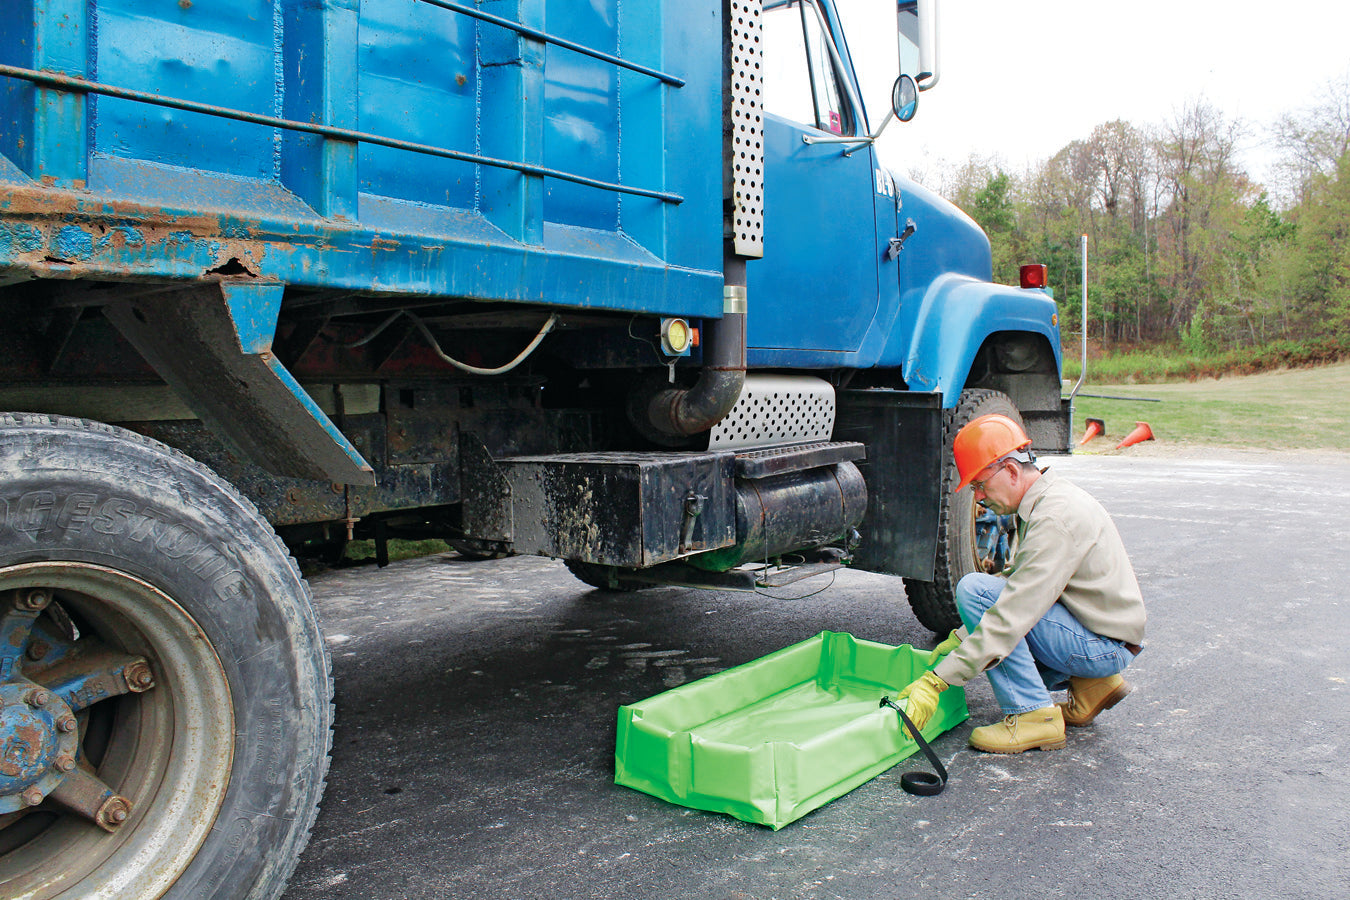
<point>1022,78</point>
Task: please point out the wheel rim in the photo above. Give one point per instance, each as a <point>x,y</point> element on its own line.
<point>155,727</point>
<point>992,535</point>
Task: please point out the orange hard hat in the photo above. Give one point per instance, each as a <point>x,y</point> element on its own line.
<point>983,441</point>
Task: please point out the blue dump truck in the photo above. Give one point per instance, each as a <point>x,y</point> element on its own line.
<point>623,284</point>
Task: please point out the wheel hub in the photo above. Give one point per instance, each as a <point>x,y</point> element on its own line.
<point>117,770</point>
<point>39,740</point>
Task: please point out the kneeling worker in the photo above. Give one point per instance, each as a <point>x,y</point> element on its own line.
<point>1067,613</point>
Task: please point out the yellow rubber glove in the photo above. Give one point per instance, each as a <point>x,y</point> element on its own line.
<point>950,643</point>
<point>923,698</point>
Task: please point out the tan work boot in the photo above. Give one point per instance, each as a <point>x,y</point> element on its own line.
<point>1041,729</point>
<point>1089,696</point>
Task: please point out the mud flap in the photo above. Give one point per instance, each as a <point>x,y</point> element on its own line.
<point>903,471</point>
<point>1051,431</point>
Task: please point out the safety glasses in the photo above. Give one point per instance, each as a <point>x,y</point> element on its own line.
<point>978,484</point>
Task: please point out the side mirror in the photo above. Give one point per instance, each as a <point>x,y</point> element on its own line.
<point>904,98</point>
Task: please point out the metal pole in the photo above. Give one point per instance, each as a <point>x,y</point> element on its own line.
<point>1082,374</point>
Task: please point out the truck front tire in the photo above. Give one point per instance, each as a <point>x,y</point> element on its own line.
<point>151,604</point>
<point>934,602</point>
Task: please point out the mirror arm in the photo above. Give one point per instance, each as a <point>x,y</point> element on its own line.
<point>855,140</point>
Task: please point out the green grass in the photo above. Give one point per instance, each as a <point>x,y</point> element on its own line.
<point>1164,364</point>
<point>1295,409</point>
<point>398,549</point>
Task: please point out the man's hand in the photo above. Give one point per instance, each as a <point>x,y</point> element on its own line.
<point>949,643</point>
<point>923,698</point>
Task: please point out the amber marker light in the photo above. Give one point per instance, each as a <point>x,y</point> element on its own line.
<point>676,337</point>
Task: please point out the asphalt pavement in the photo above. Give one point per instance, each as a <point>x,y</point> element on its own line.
<point>476,705</point>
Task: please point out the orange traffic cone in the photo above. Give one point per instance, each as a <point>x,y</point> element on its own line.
<point>1095,427</point>
<point>1141,433</point>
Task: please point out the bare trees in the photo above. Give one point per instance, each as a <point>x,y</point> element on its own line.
<point>1186,247</point>
<point>1312,141</point>
<point>1203,189</point>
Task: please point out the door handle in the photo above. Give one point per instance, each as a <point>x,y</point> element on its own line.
<point>898,243</point>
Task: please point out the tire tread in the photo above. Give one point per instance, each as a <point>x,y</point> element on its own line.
<point>934,602</point>
<point>282,861</point>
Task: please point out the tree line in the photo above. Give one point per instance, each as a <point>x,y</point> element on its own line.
<point>1184,247</point>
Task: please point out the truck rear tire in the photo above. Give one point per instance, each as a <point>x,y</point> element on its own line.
<point>143,598</point>
<point>476,550</point>
<point>934,602</point>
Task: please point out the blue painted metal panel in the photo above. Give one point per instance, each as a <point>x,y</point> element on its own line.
<point>319,65</point>
<point>943,310</point>
<point>948,306</point>
<point>641,145</point>
<point>45,131</point>
<point>681,147</point>
<point>254,309</point>
<point>16,97</point>
<point>816,287</point>
<point>945,241</point>
<point>418,81</point>
<point>453,255</point>
<point>581,125</point>
<point>511,120</point>
<point>955,316</point>
<point>945,238</point>
<point>223,54</point>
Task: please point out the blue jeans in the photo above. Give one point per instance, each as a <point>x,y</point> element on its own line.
<point>1056,647</point>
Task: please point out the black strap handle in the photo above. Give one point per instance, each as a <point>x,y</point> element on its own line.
<point>923,784</point>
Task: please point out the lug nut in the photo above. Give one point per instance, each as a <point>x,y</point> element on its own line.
<point>113,813</point>
<point>36,599</point>
<point>138,676</point>
<point>66,724</point>
<point>37,650</point>
<point>32,796</point>
<point>38,698</point>
<point>65,763</point>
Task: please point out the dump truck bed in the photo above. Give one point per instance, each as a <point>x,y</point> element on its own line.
<point>399,147</point>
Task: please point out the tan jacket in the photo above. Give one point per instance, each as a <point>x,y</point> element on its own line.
<point>1067,550</point>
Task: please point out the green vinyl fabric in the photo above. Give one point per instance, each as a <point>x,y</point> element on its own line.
<point>773,739</point>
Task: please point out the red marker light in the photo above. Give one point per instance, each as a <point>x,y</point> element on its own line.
<point>1033,275</point>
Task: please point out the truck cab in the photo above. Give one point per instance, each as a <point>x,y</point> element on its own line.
<point>853,248</point>
<point>876,282</point>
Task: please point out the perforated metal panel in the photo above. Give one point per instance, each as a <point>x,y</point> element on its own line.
<point>746,124</point>
<point>777,409</point>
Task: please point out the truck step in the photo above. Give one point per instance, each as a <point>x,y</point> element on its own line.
<point>755,464</point>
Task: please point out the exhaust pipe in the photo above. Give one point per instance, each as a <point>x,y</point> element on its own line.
<point>680,412</point>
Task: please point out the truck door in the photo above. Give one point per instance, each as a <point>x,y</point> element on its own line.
<point>816,287</point>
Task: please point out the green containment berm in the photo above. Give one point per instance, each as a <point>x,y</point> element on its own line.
<point>773,739</point>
